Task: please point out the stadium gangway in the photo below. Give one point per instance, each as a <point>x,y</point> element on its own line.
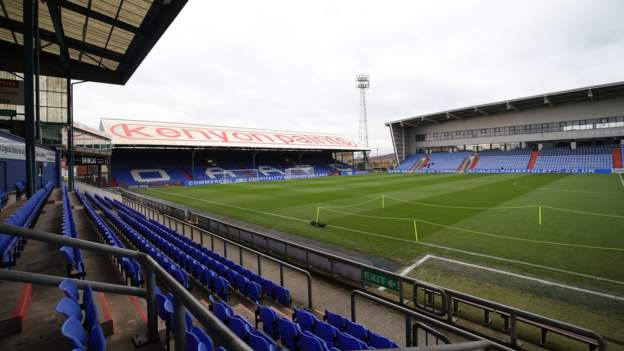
<point>446,307</point>
<point>152,270</point>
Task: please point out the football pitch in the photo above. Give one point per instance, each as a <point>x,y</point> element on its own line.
<point>567,228</point>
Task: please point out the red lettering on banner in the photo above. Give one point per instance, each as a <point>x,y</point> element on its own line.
<point>222,135</point>
<point>301,139</point>
<point>127,132</point>
<point>284,138</point>
<point>242,136</point>
<point>188,134</point>
<point>258,137</point>
<point>168,132</point>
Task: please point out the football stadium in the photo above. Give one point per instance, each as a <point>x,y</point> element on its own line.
<point>496,226</point>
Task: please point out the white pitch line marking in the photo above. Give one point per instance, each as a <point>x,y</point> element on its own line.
<point>410,268</point>
<point>541,281</point>
<point>621,179</point>
<point>559,270</point>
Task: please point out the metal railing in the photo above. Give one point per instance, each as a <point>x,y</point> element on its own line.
<point>172,223</point>
<point>415,321</point>
<point>153,273</point>
<point>442,303</point>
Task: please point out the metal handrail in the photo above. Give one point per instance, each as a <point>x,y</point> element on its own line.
<point>281,263</point>
<point>152,270</point>
<point>515,315</point>
<point>423,318</point>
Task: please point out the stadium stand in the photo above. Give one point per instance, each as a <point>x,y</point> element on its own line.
<point>10,246</point>
<point>514,159</point>
<point>409,162</point>
<point>583,157</point>
<point>446,161</point>
<point>175,167</point>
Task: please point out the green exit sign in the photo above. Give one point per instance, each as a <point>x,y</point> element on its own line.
<point>8,113</point>
<point>380,279</point>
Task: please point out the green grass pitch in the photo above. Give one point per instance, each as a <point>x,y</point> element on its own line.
<point>486,219</point>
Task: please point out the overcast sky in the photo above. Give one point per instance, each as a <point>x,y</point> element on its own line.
<point>291,64</point>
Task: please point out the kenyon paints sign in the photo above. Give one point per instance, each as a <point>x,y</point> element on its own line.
<point>125,132</point>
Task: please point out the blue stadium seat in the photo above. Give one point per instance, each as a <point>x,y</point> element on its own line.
<point>72,329</point>
<point>381,342</point>
<point>97,341</point>
<point>310,342</point>
<point>254,292</point>
<point>288,332</point>
<point>268,317</point>
<point>282,295</point>
<point>347,342</point>
<point>69,308</point>
<point>193,343</point>
<point>327,332</point>
<point>260,342</point>
<point>240,327</point>
<point>70,289</point>
<point>335,319</point>
<point>305,319</point>
<point>356,329</point>
<point>203,337</point>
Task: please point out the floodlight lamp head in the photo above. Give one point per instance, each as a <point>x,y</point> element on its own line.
<point>362,81</point>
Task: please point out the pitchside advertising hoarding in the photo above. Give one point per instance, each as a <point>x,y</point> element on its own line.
<point>128,132</point>
<point>512,171</point>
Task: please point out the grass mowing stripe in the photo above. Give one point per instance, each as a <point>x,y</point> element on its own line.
<point>507,208</point>
<point>232,206</point>
<point>502,259</point>
<point>502,236</point>
<point>508,260</point>
<point>522,276</point>
<point>463,207</point>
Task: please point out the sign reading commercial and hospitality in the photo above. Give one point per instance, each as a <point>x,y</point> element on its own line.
<point>11,92</point>
<point>127,132</point>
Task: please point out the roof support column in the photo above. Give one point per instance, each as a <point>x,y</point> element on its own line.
<point>70,135</point>
<point>193,164</point>
<point>28,16</point>
<point>38,135</point>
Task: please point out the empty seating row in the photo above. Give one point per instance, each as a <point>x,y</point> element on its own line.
<point>514,159</point>
<point>211,269</point>
<point>446,161</point>
<point>196,337</point>
<point>409,162</point>
<point>75,264</point>
<point>141,244</point>
<point>11,246</point>
<point>584,157</point>
<point>129,267</point>
<point>82,326</point>
<point>255,338</point>
<point>308,333</point>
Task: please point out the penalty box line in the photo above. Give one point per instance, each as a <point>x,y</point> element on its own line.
<point>515,275</point>
<point>558,270</point>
